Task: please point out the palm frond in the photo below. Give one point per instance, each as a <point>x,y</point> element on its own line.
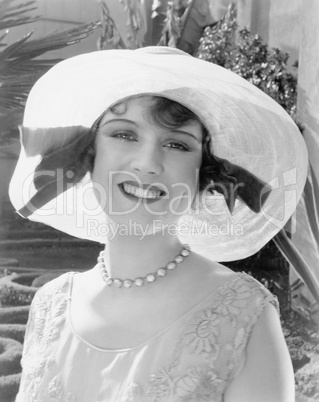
<point>54,41</point>
<point>20,67</point>
<point>26,49</point>
<point>11,50</point>
<point>12,15</point>
<point>9,133</point>
<point>110,35</point>
<point>3,36</point>
<point>14,94</point>
<point>15,68</point>
<point>19,70</point>
<point>7,121</point>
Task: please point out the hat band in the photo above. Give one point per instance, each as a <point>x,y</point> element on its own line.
<point>233,181</point>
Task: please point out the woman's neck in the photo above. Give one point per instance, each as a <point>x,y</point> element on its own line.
<point>128,257</point>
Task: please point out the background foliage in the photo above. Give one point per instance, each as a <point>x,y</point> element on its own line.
<point>246,55</point>
<point>20,65</point>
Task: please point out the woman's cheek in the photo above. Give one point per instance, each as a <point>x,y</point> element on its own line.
<point>100,180</point>
<point>183,194</point>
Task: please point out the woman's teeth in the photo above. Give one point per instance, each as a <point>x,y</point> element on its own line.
<point>140,192</point>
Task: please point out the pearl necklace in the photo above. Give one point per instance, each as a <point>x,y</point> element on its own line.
<point>140,281</point>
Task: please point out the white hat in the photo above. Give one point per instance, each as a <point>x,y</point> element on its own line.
<point>248,129</point>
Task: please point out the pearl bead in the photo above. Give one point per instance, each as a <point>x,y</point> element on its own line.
<point>171,265</point>
<point>161,272</point>
<point>101,267</point>
<point>187,247</point>
<point>118,283</point>
<point>185,253</point>
<point>105,278</point>
<point>150,278</point>
<point>100,259</point>
<point>127,283</point>
<point>139,281</point>
<point>179,259</point>
<point>109,281</point>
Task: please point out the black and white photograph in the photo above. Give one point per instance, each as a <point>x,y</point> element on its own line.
<point>159,201</point>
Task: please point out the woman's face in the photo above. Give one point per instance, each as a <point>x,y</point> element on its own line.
<point>145,174</point>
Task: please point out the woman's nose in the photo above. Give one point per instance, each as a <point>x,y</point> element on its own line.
<point>148,160</point>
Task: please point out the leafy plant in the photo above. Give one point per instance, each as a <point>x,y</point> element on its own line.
<point>20,66</point>
<point>110,35</point>
<point>246,55</point>
<point>13,331</point>
<point>10,356</point>
<point>168,23</point>
<point>10,296</point>
<point>14,315</point>
<point>184,24</point>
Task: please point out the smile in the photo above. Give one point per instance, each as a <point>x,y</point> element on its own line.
<point>148,192</point>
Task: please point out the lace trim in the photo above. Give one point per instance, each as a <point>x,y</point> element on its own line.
<point>209,378</point>
<point>46,321</point>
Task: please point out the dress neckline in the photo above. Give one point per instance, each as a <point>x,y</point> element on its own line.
<point>225,285</point>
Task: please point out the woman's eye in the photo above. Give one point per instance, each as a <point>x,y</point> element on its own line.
<point>178,146</point>
<point>124,136</point>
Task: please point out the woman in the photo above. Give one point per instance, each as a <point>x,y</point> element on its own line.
<point>173,164</point>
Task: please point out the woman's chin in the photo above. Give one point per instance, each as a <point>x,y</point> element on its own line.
<point>140,224</point>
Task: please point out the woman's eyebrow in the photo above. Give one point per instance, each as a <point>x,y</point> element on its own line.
<point>178,131</point>
<point>121,120</point>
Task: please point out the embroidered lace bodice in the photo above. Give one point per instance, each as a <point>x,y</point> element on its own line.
<point>194,359</point>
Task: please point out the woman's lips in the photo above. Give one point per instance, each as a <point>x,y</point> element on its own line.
<point>145,192</point>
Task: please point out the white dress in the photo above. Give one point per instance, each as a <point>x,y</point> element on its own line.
<point>193,359</point>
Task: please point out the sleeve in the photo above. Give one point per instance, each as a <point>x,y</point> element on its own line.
<point>31,361</point>
<point>243,305</point>
<point>47,303</point>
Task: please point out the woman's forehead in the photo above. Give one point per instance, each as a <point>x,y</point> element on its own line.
<point>128,107</point>
<point>144,101</point>
<point>147,105</point>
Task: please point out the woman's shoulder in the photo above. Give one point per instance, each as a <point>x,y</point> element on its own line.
<point>207,276</point>
<point>53,290</point>
<point>219,284</point>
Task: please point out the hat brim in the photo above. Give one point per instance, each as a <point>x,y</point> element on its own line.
<point>247,128</point>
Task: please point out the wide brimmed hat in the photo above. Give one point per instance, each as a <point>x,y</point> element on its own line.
<point>248,129</point>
